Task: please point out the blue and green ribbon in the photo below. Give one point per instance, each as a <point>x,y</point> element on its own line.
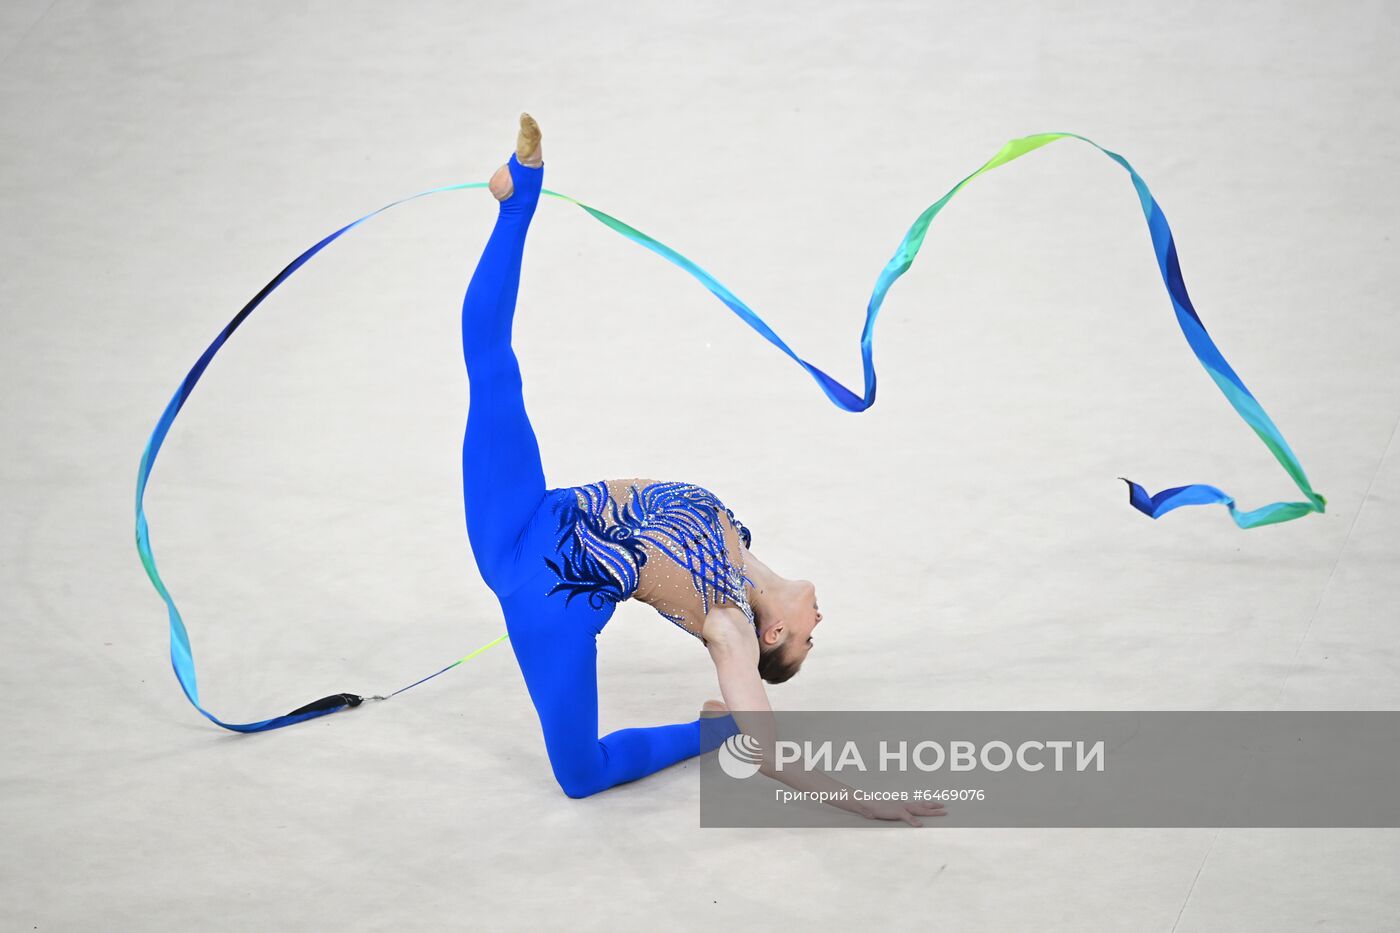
<point>1152,505</point>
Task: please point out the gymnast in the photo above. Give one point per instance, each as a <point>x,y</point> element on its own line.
<point>559,560</point>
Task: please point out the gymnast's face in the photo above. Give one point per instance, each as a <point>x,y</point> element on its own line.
<point>786,642</point>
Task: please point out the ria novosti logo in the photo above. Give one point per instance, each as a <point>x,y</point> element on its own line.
<point>740,756</point>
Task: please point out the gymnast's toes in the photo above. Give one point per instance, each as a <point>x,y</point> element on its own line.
<point>527,153</point>
<point>527,142</point>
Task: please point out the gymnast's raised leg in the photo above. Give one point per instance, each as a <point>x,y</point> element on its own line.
<point>513,528</point>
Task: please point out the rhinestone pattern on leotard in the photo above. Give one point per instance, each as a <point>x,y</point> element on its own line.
<point>603,544</point>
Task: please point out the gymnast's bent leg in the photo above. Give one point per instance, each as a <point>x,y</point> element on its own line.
<point>503,490</point>
<point>557,650</point>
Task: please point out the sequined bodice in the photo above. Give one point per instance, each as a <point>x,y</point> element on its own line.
<point>673,546</point>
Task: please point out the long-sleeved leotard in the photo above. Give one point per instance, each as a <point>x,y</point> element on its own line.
<point>559,560</point>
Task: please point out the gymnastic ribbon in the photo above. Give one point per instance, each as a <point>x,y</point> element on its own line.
<point>1152,505</point>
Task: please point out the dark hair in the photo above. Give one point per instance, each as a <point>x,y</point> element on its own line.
<point>774,666</point>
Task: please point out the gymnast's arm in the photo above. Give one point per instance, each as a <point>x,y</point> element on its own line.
<point>730,639</point>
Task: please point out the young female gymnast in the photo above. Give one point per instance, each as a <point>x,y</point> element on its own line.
<point>559,560</point>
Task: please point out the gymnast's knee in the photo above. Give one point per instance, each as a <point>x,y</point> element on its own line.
<point>492,367</point>
<point>581,779</point>
<point>577,790</point>
<point>578,787</point>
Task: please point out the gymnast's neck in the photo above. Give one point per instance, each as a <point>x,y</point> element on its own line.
<point>770,591</point>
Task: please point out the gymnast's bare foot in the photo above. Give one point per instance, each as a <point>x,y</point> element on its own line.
<point>527,153</point>
<point>713,708</point>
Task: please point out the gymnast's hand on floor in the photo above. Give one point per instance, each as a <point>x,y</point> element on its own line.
<point>909,811</point>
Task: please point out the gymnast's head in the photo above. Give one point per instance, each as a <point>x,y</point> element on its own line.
<point>785,615</point>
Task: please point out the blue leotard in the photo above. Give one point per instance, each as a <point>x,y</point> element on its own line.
<point>559,560</point>
<point>674,546</point>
